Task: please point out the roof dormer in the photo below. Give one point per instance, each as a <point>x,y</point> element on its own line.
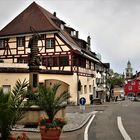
<point>69,30</point>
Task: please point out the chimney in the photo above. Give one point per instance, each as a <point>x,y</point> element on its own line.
<point>88,41</point>
<point>136,74</point>
<point>77,34</point>
<point>54,14</point>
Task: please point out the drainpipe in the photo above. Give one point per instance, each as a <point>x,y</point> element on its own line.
<point>78,94</point>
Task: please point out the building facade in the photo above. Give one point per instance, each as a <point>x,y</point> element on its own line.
<point>132,88</point>
<point>65,58</point>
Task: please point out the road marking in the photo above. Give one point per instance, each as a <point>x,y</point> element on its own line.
<point>87,127</point>
<point>122,130</point>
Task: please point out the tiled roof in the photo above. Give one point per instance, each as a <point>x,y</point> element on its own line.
<point>37,17</point>
<point>42,21</point>
<point>33,16</point>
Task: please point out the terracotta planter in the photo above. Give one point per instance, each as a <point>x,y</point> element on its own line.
<point>12,138</point>
<point>50,133</point>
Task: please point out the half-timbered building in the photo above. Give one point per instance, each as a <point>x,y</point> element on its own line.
<point>65,58</point>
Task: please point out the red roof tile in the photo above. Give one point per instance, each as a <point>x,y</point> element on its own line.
<point>37,17</point>
<point>33,16</point>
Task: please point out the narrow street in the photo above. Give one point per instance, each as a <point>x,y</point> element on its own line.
<point>104,126</point>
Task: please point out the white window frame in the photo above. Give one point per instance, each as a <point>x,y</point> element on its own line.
<point>2,43</point>
<point>6,88</point>
<point>50,43</point>
<point>20,41</point>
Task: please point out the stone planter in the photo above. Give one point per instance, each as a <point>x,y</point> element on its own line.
<point>33,114</point>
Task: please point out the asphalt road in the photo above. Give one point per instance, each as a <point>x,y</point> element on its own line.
<point>104,126</point>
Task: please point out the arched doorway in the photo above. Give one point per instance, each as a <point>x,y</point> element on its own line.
<point>63,86</point>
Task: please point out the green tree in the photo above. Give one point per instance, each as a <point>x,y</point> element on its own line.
<point>114,79</point>
<point>50,102</point>
<point>11,104</point>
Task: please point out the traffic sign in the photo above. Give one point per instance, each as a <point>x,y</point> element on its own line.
<point>82,101</point>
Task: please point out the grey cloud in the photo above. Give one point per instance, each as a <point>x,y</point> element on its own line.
<point>112,24</point>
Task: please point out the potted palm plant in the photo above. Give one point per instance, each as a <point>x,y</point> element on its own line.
<point>51,104</point>
<point>11,104</point>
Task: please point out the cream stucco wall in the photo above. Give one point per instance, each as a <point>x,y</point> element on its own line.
<point>70,80</point>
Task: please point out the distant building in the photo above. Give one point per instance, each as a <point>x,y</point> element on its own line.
<point>132,88</point>
<point>118,91</point>
<point>129,71</point>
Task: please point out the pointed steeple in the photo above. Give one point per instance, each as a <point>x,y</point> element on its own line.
<point>129,71</point>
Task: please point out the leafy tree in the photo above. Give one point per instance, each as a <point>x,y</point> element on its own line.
<point>114,79</point>
<point>11,104</point>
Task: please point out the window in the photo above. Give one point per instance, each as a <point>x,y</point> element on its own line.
<point>55,61</point>
<point>87,64</point>
<point>82,62</point>
<point>62,26</point>
<point>139,87</point>
<point>42,36</point>
<point>133,83</point>
<point>2,43</point>
<point>50,61</point>
<point>50,43</point>
<point>64,61</point>
<point>130,88</point>
<point>6,88</point>
<point>81,89</point>
<point>20,41</point>
<point>75,60</point>
<point>85,89</point>
<point>89,88</point>
<point>22,60</point>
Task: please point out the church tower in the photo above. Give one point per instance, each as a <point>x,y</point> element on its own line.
<point>129,71</point>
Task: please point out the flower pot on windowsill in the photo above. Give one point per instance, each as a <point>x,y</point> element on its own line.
<point>50,133</point>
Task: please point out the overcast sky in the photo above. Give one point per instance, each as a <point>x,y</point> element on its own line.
<point>114,25</point>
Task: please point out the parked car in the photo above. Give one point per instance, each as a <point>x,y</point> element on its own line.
<point>131,96</point>
<point>97,101</point>
<point>122,96</point>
